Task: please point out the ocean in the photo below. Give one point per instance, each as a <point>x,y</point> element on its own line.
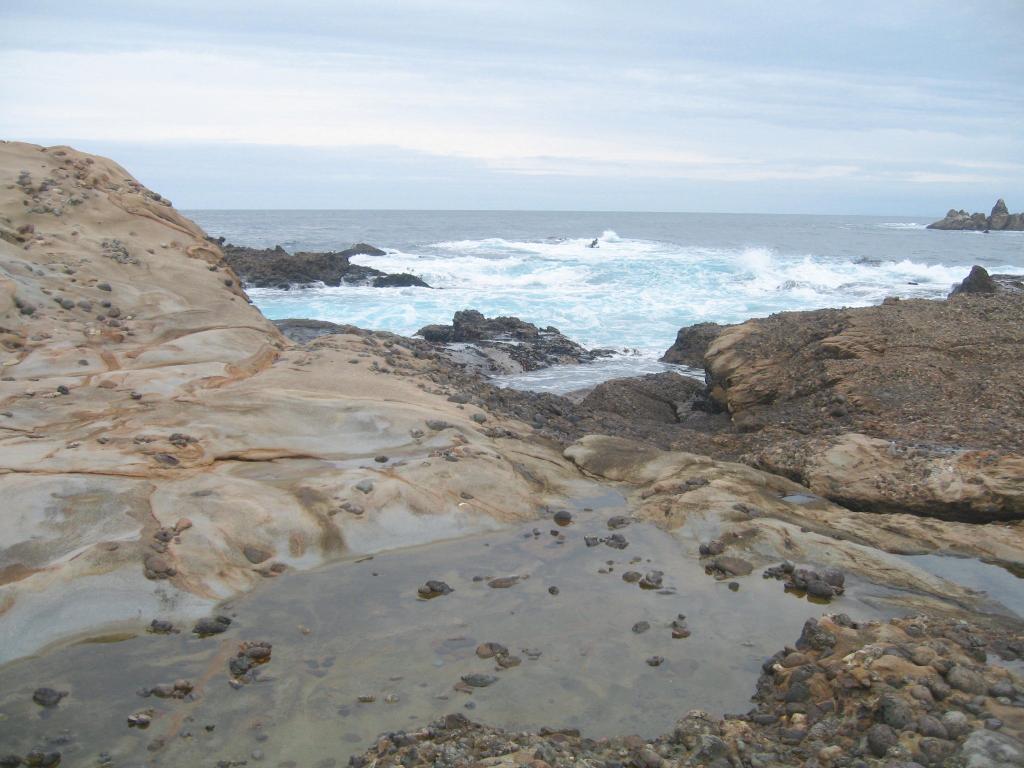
<point>650,274</point>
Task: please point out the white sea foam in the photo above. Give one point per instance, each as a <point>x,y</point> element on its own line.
<point>626,293</point>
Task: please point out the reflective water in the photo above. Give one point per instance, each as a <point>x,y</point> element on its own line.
<point>357,629</point>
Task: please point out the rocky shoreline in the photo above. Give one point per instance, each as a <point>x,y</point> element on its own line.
<point>161,441</point>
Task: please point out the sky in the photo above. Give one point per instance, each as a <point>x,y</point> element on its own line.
<point>783,107</point>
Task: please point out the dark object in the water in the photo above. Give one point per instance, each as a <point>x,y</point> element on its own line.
<point>211,626</point>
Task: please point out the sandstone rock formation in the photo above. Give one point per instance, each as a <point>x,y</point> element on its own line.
<point>156,429</point>
<point>276,268</point>
<point>908,406</point>
<point>999,219</point>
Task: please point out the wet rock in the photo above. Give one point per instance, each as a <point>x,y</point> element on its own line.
<point>655,661</point>
<point>477,680</point>
<point>48,697</point>
<point>161,627</point>
<point>591,541</point>
<point>158,567</point>
<point>553,590</point>
<point>713,547</point>
<point>815,636</point>
<point>140,719</point>
<point>652,580</point>
<point>632,577</point>
<point>616,541</point>
<point>955,723</point>
<point>503,582</point>
<point>489,650</point>
<point>211,626</point>
<point>679,628</point>
<point>967,680</point>
<point>724,567</point>
<point>641,626</point>
<point>562,517</point>
<point>434,588</point>
<point>880,737</point>
<point>255,555</point>
<point>618,521</point>
<point>931,726</point>
<point>895,712</point>
<point>989,749</point>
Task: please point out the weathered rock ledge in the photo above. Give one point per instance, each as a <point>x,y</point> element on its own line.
<point>999,219</point>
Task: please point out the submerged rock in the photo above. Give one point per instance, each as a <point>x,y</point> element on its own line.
<point>434,588</point>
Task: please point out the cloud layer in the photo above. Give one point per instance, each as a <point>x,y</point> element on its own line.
<point>655,106</point>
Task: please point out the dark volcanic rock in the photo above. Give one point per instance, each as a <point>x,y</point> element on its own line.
<point>276,268</point>
<point>506,344</point>
<point>691,343</point>
<point>659,397</point>
<point>999,219</point>
<point>980,281</point>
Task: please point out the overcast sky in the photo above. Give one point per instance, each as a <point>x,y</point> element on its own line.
<point>795,107</point>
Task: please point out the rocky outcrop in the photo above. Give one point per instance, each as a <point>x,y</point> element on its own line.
<point>909,692</point>
<point>999,219</point>
<point>276,268</point>
<point>506,344</point>
<point>158,435</point>
<point>908,406</point>
<point>691,343</point>
<point>980,281</point>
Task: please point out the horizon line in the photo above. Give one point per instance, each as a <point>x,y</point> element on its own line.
<point>560,210</point>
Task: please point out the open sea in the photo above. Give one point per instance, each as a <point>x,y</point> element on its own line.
<point>651,274</point>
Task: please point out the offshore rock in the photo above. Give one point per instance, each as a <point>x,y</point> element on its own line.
<point>999,219</point>
<point>277,268</point>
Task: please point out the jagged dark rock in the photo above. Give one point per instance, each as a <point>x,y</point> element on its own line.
<point>691,343</point>
<point>277,268</point>
<point>980,281</point>
<point>999,219</point>
<point>506,344</point>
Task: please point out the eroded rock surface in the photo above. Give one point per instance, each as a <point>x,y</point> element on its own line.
<point>156,430</point>
<point>909,406</point>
